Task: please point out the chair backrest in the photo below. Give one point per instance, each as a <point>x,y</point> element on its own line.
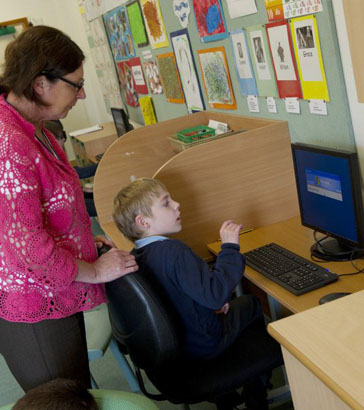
<point>144,321</point>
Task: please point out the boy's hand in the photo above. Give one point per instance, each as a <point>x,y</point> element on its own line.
<point>224,309</point>
<point>229,232</point>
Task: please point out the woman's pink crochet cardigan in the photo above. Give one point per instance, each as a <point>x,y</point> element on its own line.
<point>44,228</point>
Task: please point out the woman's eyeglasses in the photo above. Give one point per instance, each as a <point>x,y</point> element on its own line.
<point>49,74</point>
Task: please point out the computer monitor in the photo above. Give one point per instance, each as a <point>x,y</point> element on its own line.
<point>330,200</point>
<point>121,121</point>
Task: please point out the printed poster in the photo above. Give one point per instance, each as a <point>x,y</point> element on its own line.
<point>216,78</point>
<point>187,70</point>
<point>119,34</point>
<point>297,8</point>
<point>283,62</point>
<point>243,63</point>
<point>210,20</point>
<point>154,22</point>
<point>307,49</point>
<point>136,68</point>
<point>261,61</point>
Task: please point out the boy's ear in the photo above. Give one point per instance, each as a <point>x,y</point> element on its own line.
<point>142,222</point>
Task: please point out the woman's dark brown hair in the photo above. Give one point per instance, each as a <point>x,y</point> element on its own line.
<point>39,48</point>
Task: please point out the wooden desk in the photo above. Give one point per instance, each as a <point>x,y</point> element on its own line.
<point>323,354</point>
<point>292,235</point>
<point>88,145</point>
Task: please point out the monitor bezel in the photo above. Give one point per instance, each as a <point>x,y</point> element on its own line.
<point>355,177</point>
<point>124,116</point>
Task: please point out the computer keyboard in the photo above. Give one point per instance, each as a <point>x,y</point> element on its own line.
<point>292,272</point>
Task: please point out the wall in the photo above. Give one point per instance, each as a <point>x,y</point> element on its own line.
<point>64,15</point>
<point>356,108</point>
<point>334,130</point>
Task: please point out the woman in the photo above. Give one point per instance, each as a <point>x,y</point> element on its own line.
<point>49,270</point>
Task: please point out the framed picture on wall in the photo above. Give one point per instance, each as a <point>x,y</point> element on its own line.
<point>154,22</point>
<point>119,33</point>
<point>187,70</point>
<point>210,20</point>
<point>170,78</point>
<point>216,78</point>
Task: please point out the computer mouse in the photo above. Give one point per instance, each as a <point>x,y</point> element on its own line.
<point>332,296</point>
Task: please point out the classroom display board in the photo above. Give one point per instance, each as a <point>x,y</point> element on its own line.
<point>273,58</point>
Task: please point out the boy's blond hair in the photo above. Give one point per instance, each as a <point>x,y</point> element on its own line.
<point>133,200</point>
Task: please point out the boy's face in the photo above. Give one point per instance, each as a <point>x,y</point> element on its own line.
<point>165,217</point>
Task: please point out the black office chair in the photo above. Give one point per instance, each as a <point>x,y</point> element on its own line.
<point>144,322</point>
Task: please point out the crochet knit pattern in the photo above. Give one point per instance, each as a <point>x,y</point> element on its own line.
<point>44,227</point>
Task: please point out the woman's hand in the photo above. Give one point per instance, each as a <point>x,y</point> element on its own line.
<point>108,267</point>
<point>229,232</point>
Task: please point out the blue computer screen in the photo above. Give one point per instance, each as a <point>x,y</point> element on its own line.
<point>325,192</point>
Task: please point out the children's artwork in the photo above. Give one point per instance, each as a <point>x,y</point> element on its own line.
<point>240,8</point>
<point>128,84</point>
<point>261,61</point>
<point>135,66</point>
<point>170,78</point>
<point>216,78</point>
<point>297,8</point>
<point>137,24</point>
<point>243,64</point>
<point>182,10</point>
<point>119,34</point>
<point>283,62</point>
<point>307,49</point>
<point>210,20</point>
<point>155,24</point>
<point>146,105</point>
<point>274,9</point>
<point>187,70</point>
<point>152,74</point>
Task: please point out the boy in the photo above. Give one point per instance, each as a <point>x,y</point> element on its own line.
<point>145,213</point>
<point>58,394</point>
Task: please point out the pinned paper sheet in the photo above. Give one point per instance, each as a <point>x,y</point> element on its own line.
<point>271,105</point>
<point>318,107</point>
<point>292,105</point>
<point>253,103</point>
<point>82,131</point>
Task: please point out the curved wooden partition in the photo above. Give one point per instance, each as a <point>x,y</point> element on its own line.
<point>247,176</point>
<point>139,153</point>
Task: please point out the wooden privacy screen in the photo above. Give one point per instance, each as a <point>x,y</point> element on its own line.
<point>354,17</point>
<point>247,176</point>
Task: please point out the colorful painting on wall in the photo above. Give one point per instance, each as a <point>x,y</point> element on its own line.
<point>128,84</point>
<point>187,70</point>
<point>119,34</point>
<point>216,78</point>
<point>155,25</point>
<point>152,75</point>
<point>170,78</point>
<point>210,20</point>
<point>135,66</point>
<point>137,24</point>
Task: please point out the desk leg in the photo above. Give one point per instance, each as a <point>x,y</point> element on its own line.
<point>274,307</point>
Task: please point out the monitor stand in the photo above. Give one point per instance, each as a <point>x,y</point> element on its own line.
<point>330,249</point>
